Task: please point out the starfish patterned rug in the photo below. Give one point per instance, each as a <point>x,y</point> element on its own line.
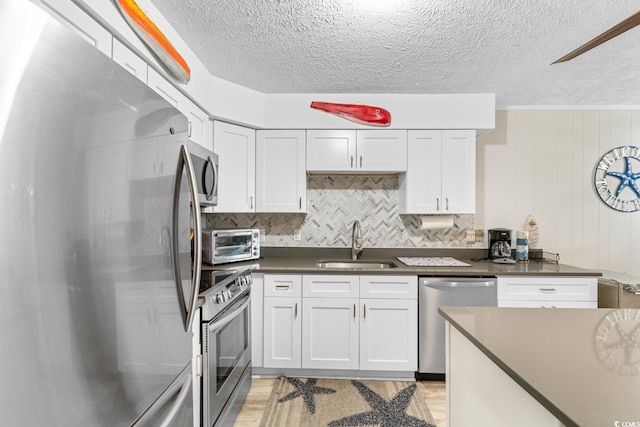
<point>341,402</point>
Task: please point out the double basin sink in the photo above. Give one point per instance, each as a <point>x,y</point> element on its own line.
<point>356,264</point>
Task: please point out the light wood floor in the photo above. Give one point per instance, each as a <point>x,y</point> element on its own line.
<point>251,412</point>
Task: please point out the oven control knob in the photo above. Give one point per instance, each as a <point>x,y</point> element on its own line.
<point>227,294</point>
<point>220,298</point>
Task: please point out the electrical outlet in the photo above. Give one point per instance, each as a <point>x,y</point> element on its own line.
<point>263,235</point>
<point>479,235</point>
<point>297,234</point>
<point>471,236</point>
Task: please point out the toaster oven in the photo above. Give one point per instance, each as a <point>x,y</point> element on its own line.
<point>224,246</point>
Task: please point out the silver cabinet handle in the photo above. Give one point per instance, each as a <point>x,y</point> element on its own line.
<point>447,203</point>
<point>190,127</point>
<point>282,287</point>
<point>547,290</point>
<point>295,311</point>
<point>438,204</point>
<point>188,311</point>
<point>364,312</point>
<point>354,311</point>
<point>352,162</point>
<point>300,203</point>
<point>360,162</point>
<point>251,202</point>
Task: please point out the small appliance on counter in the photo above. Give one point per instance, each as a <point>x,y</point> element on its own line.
<point>233,245</point>
<point>500,246</point>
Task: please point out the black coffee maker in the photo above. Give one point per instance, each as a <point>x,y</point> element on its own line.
<point>500,246</point>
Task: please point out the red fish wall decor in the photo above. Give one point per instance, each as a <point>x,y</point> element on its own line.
<point>151,35</point>
<point>358,113</point>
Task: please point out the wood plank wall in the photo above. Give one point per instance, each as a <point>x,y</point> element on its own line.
<point>541,162</point>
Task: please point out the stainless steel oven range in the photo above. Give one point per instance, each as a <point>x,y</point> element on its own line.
<point>226,344</point>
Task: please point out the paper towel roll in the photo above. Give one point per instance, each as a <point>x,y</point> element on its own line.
<point>433,222</point>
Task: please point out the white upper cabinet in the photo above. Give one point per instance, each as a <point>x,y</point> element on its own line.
<point>331,150</point>
<point>281,181</point>
<point>236,150</point>
<point>83,24</point>
<point>130,61</point>
<point>382,150</point>
<point>165,89</point>
<point>199,125</point>
<point>357,151</point>
<point>440,176</point>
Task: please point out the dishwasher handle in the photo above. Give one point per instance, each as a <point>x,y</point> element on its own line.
<point>459,284</point>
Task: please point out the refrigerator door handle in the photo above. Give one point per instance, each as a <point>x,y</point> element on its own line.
<point>188,311</point>
<point>184,382</point>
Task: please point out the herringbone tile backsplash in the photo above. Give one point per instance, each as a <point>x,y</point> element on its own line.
<point>333,203</point>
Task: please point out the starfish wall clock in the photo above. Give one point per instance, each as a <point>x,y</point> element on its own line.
<point>616,179</point>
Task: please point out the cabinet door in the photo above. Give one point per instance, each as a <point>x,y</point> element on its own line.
<point>389,335</point>
<point>198,125</point>
<point>282,333</point>
<point>382,150</point>
<point>130,61</point>
<point>165,89</point>
<point>420,188</point>
<point>236,150</point>
<point>458,171</point>
<point>330,333</point>
<point>80,22</point>
<point>281,181</point>
<point>331,150</point>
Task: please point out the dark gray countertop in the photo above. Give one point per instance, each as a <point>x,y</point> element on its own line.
<point>562,357</point>
<point>303,260</point>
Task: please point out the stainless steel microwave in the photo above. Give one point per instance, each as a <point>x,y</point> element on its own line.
<point>223,246</point>
<point>205,165</point>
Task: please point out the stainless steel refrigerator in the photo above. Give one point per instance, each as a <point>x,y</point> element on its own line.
<point>92,327</point>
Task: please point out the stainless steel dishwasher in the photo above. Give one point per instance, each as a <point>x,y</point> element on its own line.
<point>445,291</point>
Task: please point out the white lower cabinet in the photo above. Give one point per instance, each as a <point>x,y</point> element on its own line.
<point>548,291</point>
<point>388,335</point>
<point>282,321</point>
<point>330,336</point>
<point>334,328</point>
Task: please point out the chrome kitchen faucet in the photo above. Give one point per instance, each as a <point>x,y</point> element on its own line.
<point>356,240</point>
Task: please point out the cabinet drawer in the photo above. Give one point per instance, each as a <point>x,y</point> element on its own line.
<point>547,288</point>
<point>394,287</point>
<point>283,285</point>
<point>330,286</point>
<point>549,304</point>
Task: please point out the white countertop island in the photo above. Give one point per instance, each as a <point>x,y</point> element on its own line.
<point>542,367</point>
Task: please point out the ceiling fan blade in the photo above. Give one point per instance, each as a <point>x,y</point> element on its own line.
<point>618,29</point>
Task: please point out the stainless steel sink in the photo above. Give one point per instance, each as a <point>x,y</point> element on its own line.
<point>349,264</point>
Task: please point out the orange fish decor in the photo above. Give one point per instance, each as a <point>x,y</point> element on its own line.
<point>358,113</point>
<point>154,38</point>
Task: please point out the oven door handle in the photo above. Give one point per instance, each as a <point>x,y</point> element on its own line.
<point>228,317</point>
<point>188,311</point>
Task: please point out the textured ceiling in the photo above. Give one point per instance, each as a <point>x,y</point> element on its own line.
<point>421,46</point>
